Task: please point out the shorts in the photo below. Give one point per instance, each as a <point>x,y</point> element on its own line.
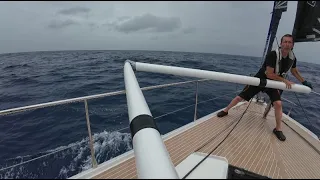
<point>249,91</point>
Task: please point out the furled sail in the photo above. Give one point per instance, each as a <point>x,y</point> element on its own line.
<point>307,23</point>
<point>278,8</point>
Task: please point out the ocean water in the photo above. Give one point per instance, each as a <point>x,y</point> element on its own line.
<point>52,142</point>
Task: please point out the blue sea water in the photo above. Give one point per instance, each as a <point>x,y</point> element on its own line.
<point>39,77</point>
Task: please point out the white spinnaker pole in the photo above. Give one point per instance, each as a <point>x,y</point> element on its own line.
<point>151,156</point>
<point>219,76</point>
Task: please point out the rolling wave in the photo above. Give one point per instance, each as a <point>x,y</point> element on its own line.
<point>71,159</point>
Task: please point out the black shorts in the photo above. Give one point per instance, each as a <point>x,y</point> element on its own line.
<point>249,91</point>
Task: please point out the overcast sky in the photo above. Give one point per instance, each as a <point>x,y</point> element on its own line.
<point>219,27</point>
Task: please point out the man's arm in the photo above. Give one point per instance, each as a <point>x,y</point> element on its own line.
<point>270,74</point>
<point>296,74</point>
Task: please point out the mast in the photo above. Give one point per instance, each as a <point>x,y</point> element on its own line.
<point>278,8</point>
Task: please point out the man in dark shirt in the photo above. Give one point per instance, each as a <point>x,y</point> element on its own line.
<point>268,71</point>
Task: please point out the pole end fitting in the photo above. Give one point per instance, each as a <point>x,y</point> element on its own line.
<point>132,63</point>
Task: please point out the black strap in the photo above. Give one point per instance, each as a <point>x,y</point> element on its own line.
<point>141,122</point>
<point>263,83</point>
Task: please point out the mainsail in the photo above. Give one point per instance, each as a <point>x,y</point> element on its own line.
<point>307,22</point>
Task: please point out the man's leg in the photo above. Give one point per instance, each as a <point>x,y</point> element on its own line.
<point>265,114</point>
<point>275,98</point>
<point>247,93</point>
<point>234,102</point>
<point>278,114</point>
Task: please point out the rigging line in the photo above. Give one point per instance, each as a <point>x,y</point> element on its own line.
<point>315,93</point>
<point>214,137</point>
<point>210,140</point>
<point>185,108</point>
<point>218,144</point>
<point>303,110</point>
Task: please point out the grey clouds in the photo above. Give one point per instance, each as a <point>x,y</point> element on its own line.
<point>148,22</point>
<point>56,24</point>
<point>74,10</point>
<point>215,27</point>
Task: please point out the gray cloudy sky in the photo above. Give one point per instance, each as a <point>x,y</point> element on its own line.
<point>217,27</point>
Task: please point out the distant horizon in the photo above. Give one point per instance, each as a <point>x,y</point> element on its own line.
<point>129,50</point>
<point>176,51</point>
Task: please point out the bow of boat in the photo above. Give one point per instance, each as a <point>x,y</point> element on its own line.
<point>250,150</point>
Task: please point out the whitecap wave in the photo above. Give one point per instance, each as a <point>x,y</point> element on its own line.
<point>67,161</point>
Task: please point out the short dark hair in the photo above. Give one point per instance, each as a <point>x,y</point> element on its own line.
<point>287,35</point>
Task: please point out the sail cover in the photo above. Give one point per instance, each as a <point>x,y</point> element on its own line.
<point>307,23</point>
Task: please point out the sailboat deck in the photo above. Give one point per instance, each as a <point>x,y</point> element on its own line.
<point>251,146</point>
